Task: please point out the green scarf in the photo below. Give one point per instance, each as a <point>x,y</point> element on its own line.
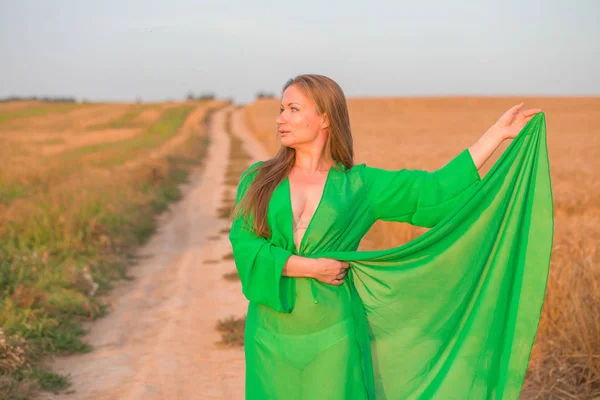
<point>459,306</point>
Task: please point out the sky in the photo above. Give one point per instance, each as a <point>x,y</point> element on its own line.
<point>162,50</point>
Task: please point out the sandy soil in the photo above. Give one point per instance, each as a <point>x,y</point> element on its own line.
<point>159,341</point>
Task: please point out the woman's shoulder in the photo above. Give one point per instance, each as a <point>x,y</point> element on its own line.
<point>369,174</point>
<point>249,174</point>
<point>356,173</point>
<point>367,170</point>
<point>362,169</point>
<point>255,164</point>
<point>253,168</point>
<point>356,168</point>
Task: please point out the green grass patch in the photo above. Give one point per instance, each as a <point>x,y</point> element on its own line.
<point>37,110</point>
<point>10,191</point>
<point>118,153</point>
<point>165,196</point>
<point>50,381</point>
<point>124,121</point>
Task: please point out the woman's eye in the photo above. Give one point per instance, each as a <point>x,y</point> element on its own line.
<point>294,108</point>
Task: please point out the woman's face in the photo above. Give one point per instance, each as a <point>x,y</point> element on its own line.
<point>298,121</point>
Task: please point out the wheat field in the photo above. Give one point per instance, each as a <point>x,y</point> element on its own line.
<point>425,133</point>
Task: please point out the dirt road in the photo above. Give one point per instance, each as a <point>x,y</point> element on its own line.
<point>159,341</point>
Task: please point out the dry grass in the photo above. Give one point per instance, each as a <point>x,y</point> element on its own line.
<point>425,133</point>
<point>13,350</point>
<point>232,331</point>
<point>224,212</point>
<point>228,256</point>
<point>18,390</point>
<point>231,276</point>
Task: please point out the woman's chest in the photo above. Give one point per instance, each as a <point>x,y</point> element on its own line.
<point>336,207</point>
<point>305,195</point>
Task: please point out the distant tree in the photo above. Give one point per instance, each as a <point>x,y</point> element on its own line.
<point>206,96</point>
<point>265,95</point>
<point>190,96</point>
<point>49,99</point>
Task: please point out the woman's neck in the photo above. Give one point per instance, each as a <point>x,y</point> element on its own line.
<point>312,161</point>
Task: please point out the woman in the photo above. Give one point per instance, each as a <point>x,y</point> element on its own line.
<point>310,333</point>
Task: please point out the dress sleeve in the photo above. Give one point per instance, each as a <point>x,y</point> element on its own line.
<point>420,197</point>
<point>258,261</point>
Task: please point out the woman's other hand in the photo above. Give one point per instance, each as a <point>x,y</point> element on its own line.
<point>328,270</point>
<point>513,120</point>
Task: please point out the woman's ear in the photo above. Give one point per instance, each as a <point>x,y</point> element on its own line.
<point>325,121</point>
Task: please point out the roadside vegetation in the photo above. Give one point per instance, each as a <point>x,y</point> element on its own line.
<point>68,234</point>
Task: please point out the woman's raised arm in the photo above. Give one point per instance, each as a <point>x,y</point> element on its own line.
<point>508,126</point>
<point>424,198</point>
<point>419,197</point>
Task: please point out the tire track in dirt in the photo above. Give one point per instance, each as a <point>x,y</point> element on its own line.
<point>159,341</point>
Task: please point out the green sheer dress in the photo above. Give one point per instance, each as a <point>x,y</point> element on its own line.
<point>451,314</point>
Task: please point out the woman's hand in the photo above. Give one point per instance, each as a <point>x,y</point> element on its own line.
<point>328,270</point>
<point>512,121</point>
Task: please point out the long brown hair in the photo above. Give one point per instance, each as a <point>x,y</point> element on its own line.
<point>329,98</point>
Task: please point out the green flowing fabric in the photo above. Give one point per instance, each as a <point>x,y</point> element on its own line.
<point>451,314</point>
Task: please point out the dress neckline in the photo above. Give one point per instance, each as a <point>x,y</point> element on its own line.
<point>300,247</point>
